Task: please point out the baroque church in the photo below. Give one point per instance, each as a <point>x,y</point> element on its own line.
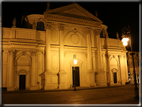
<point>40,56</point>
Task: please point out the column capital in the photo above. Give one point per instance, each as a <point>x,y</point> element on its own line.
<point>61,26</point>
<point>33,53</point>
<point>119,56</point>
<point>108,56</point>
<point>88,30</point>
<point>97,31</point>
<point>48,25</point>
<point>11,51</point>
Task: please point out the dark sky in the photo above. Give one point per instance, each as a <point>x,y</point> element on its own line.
<point>115,15</point>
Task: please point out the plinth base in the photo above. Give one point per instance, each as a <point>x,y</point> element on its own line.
<point>10,88</point>
<point>33,88</point>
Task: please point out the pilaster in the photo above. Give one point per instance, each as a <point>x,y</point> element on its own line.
<point>89,58</point>
<point>109,74</point>
<point>11,71</point>
<point>48,73</point>
<point>33,71</point>
<point>62,73</point>
<point>122,81</point>
<point>97,32</point>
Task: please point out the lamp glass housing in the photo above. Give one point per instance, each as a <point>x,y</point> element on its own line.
<point>125,41</point>
<point>75,61</point>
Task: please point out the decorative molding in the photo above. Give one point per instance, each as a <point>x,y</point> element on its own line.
<point>61,26</point>
<point>75,38</point>
<point>70,19</point>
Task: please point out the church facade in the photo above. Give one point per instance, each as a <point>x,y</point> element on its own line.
<point>41,55</point>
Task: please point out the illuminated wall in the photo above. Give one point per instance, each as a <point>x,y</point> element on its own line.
<point>45,58</point>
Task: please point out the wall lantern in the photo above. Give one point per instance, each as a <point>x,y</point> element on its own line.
<point>125,41</point>
<point>75,62</point>
<point>74,59</point>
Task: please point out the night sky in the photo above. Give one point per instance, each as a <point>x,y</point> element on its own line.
<point>115,15</point>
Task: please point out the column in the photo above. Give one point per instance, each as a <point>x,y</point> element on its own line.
<point>62,73</point>
<point>47,49</point>
<point>89,58</point>
<point>11,71</point>
<point>33,72</point>
<point>48,73</point>
<point>122,66</point>
<point>98,49</point>
<point>108,73</point>
<point>119,59</point>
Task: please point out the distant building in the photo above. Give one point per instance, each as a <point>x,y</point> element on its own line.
<point>130,66</point>
<point>41,57</point>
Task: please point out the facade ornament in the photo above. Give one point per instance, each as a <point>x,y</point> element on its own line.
<point>33,53</point>
<point>23,52</point>
<point>11,51</point>
<point>14,22</point>
<point>113,56</point>
<point>75,30</point>
<point>88,30</point>
<point>97,31</point>
<point>96,13</point>
<point>34,25</point>
<point>61,27</point>
<point>40,19</point>
<point>48,6</point>
<point>117,35</point>
<point>48,25</point>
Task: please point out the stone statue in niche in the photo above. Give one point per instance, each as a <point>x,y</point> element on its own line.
<point>14,22</point>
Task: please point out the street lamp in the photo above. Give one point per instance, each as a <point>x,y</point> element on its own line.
<point>126,36</point>
<point>75,62</point>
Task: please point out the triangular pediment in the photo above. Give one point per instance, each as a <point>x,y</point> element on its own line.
<point>74,11</point>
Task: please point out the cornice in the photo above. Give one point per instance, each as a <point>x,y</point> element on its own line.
<point>72,20</point>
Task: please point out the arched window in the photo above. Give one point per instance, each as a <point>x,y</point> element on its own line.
<point>40,26</point>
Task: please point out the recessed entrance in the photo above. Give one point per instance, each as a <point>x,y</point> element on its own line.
<point>22,82</point>
<point>115,77</point>
<point>77,79</point>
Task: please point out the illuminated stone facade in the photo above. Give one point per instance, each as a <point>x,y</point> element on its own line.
<point>35,59</point>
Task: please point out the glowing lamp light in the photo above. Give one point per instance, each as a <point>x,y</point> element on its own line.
<point>125,41</point>
<point>75,61</point>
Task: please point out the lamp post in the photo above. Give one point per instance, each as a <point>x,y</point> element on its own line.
<point>75,62</point>
<point>126,36</point>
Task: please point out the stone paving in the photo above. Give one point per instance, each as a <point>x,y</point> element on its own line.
<point>109,95</point>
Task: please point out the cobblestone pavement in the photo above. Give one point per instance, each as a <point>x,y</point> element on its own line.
<point>110,95</point>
